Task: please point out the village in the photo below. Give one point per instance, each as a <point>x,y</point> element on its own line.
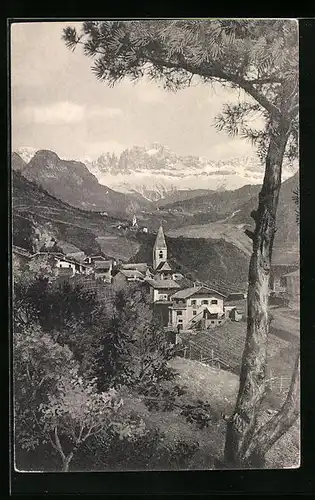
<point>182,305</point>
<point>154,278</point>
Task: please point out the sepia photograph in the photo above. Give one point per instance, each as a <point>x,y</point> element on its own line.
<point>155,244</point>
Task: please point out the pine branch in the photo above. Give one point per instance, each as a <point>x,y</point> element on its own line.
<point>206,71</point>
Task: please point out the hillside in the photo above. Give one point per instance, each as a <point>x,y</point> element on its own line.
<point>18,164</point>
<point>39,217</point>
<point>73,183</point>
<point>286,244</point>
<point>223,202</point>
<point>220,389</point>
<point>217,230</point>
<point>215,262</point>
<point>180,195</point>
<point>235,217</point>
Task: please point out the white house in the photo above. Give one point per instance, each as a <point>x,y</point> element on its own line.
<point>194,305</point>
<point>77,267</point>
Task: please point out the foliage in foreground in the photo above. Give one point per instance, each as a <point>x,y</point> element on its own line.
<point>74,363</point>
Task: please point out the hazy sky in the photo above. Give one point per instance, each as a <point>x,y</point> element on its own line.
<point>58,104</point>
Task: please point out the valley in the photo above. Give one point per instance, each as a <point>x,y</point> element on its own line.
<point>64,198</point>
<point>39,218</point>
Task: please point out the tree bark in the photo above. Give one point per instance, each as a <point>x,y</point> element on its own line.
<point>267,435</point>
<point>243,423</point>
<point>66,462</point>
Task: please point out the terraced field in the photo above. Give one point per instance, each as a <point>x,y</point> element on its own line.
<point>223,347</point>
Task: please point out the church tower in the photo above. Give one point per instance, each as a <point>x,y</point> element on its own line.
<point>159,249</point>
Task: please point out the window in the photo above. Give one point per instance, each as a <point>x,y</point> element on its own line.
<point>194,313</point>
<point>179,313</point>
<point>219,322</point>
<point>212,321</point>
<point>161,255</point>
<point>180,321</point>
<point>214,301</point>
<point>205,302</point>
<point>193,302</point>
<point>162,297</point>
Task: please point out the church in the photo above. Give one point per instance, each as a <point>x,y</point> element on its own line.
<point>183,307</point>
<point>164,279</point>
<point>181,304</point>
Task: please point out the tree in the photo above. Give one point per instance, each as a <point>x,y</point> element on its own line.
<point>260,58</point>
<point>65,308</point>
<point>57,408</point>
<point>134,351</point>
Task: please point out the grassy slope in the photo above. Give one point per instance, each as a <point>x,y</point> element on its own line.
<point>228,341</point>
<point>79,227</point>
<point>242,201</point>
<point>217,230</point>
<point>219,388</point>
<point>223,202</point>
<point>216,262</point>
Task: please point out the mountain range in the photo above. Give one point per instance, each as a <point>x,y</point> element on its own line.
<point>73,183</point>
<point>41,221</point>
<point>155,172</point>
<point>200,213</point>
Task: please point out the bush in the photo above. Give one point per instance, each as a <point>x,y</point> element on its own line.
<point>150,451</point>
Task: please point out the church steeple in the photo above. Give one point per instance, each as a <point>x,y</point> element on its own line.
<point>159,249</point>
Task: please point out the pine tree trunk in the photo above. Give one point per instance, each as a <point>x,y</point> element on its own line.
<point>270,432</point>
<point>243,423</point>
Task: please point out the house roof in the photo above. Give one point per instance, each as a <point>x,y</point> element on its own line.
<point>102,264</point>
<point>67,247</point>
<point>99,257</point>
<point>281,269</point>
<point>163,266</point>
<point>294,273</point>
<point>160,239</point>
<point>58,255</point>
<point>189,292</point>
<point>162,284</point>
<point>141,266</point>
<point>235,296</point>
<point>131,273</point>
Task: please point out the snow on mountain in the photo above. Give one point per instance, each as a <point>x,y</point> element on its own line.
<point>155,171</point>
<point>26,153</point>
